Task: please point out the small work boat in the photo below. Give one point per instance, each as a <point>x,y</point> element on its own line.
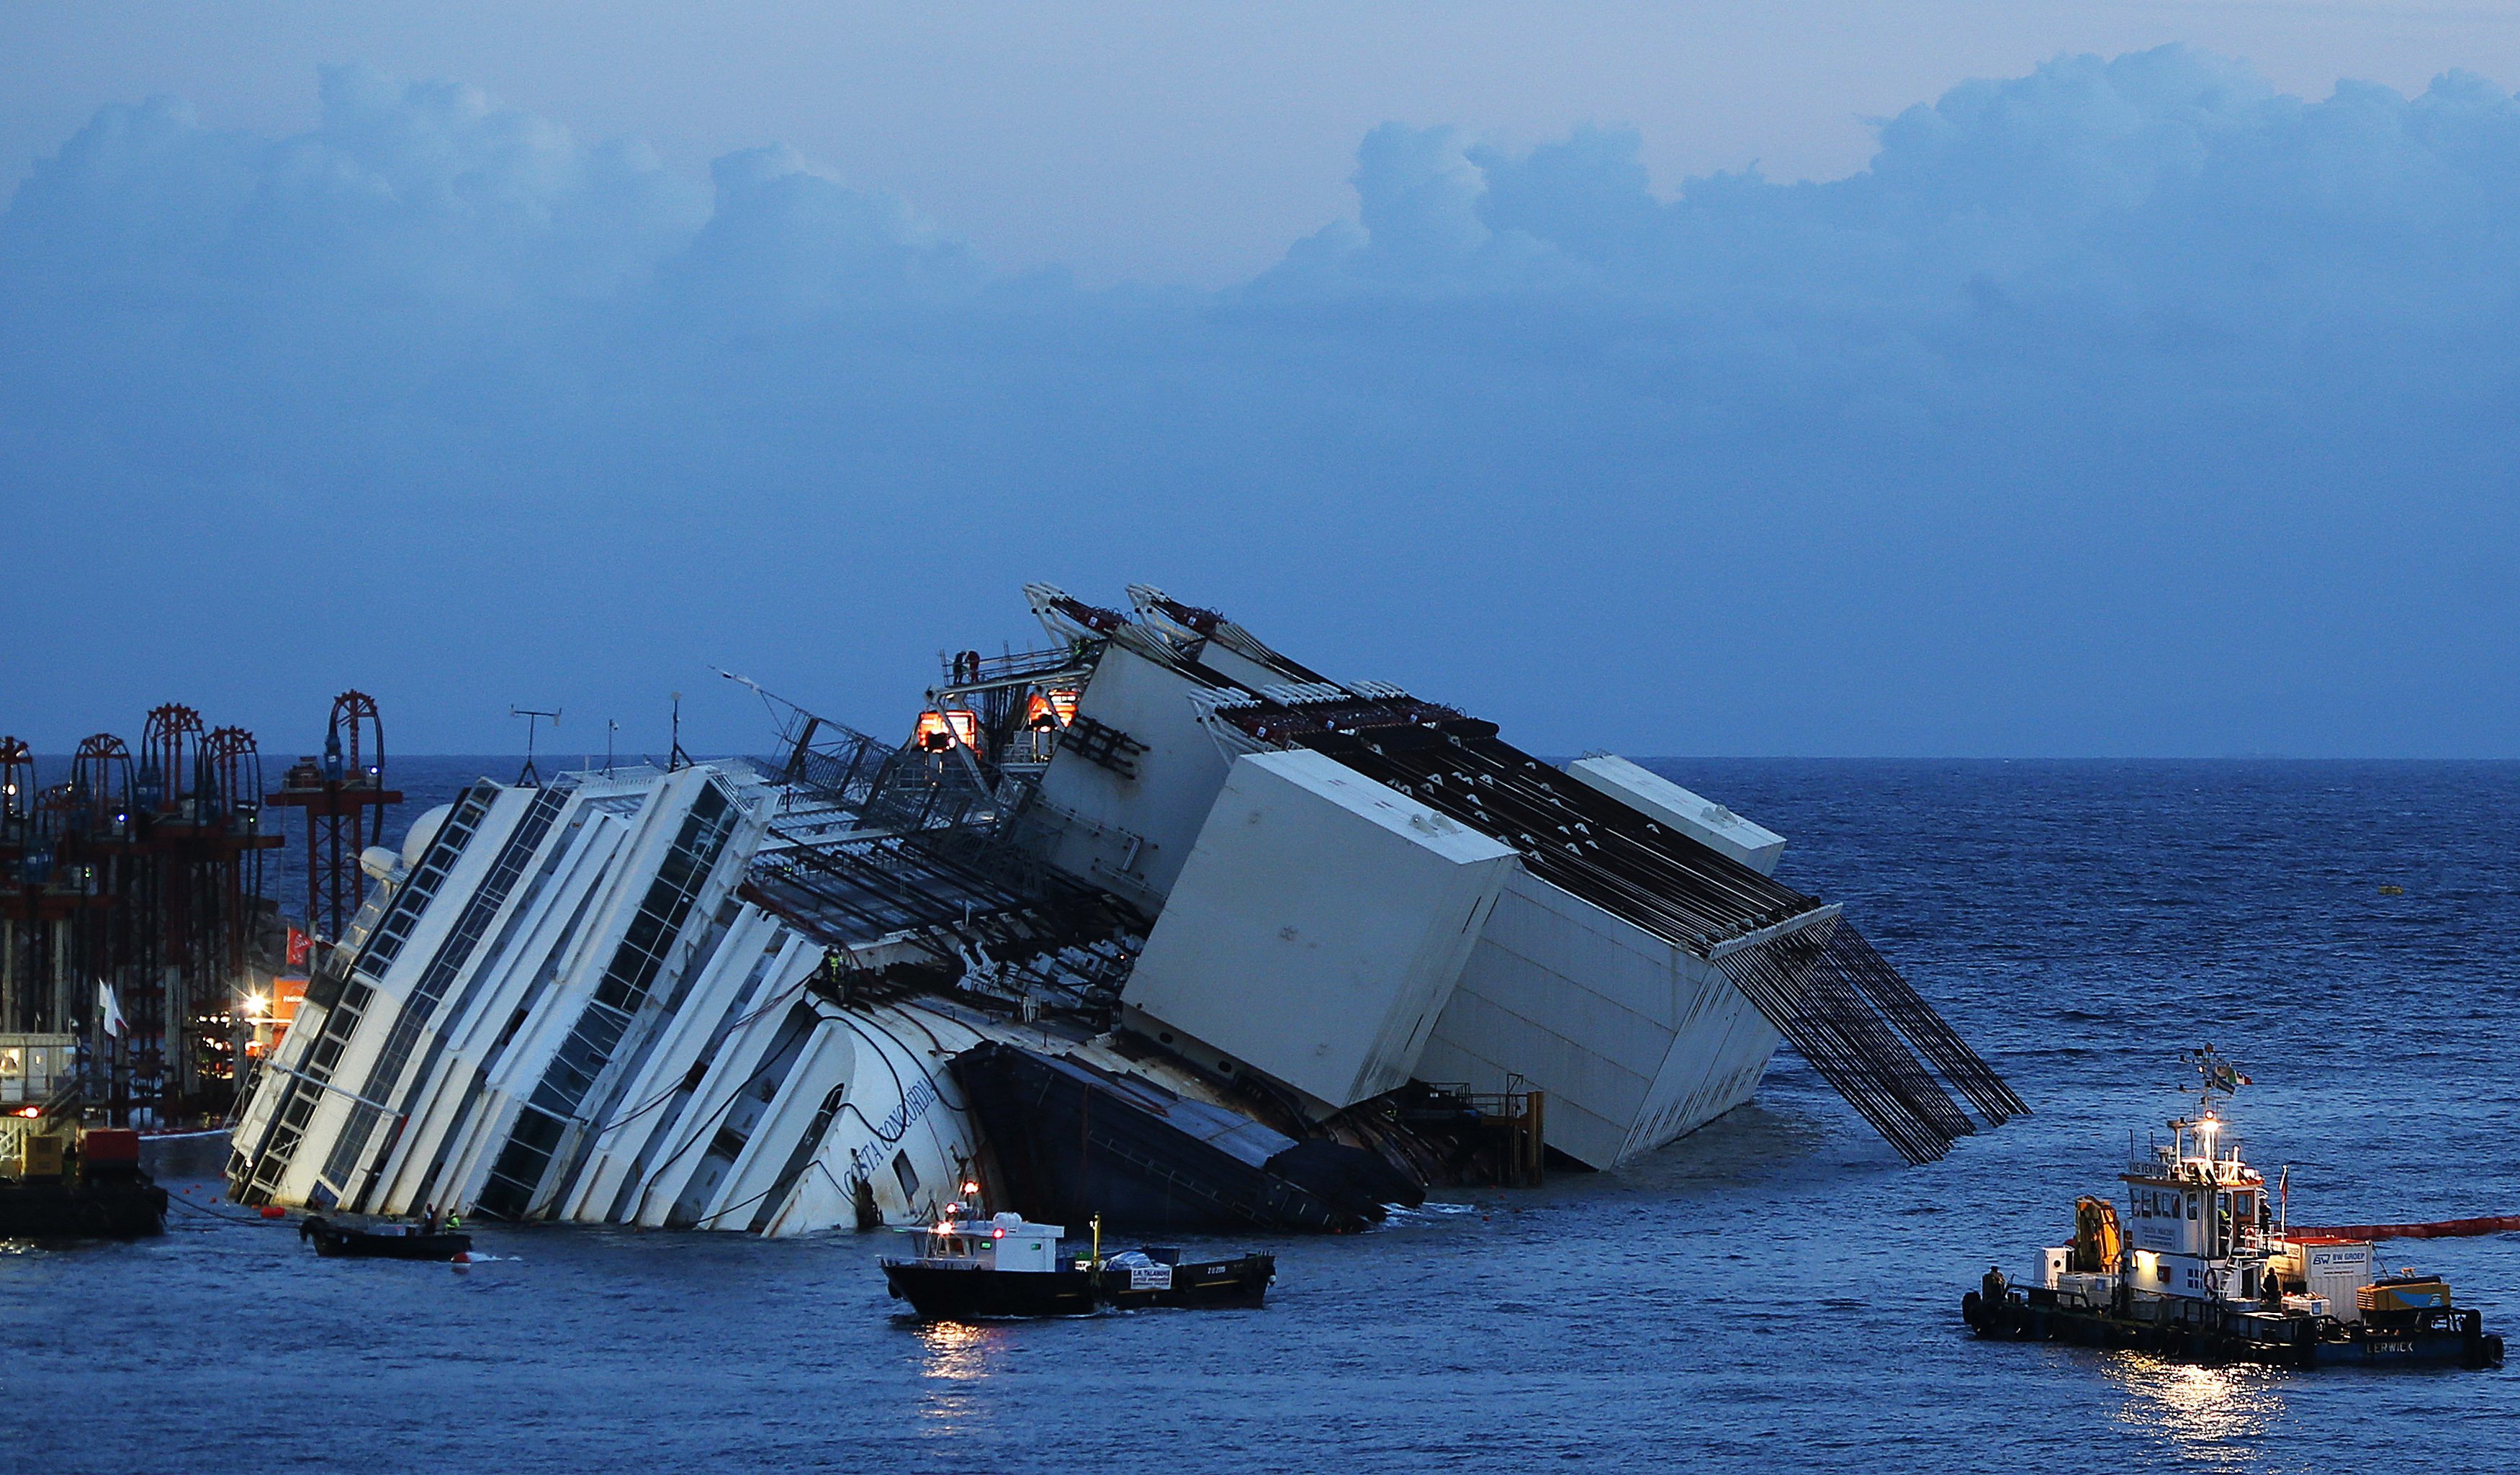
<point>1004,1265</point>
<point>2212,1271</point>
<point>393,1241</point>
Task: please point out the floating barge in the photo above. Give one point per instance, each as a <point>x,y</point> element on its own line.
<point>2208,1274</point>
<point>2410,1323</point>
<point>66,1184</point>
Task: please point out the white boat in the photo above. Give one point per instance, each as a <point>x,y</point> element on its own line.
<point>985,1267</point>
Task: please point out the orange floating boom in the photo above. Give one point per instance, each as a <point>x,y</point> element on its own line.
<point>2440,1228</point>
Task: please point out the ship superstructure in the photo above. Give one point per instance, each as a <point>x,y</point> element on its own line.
<point>1279,948</point>
<point>2198,1217</point>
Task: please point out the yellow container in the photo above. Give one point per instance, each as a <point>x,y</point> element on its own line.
<point>39,1156</point>
<point>2423,1293</point>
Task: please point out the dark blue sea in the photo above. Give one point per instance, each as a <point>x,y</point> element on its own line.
<point>1775,1292</point>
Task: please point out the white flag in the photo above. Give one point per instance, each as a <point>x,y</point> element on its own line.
<point>108,1010</point>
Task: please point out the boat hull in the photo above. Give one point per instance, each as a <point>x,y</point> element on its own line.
<point>2449,1339</point>
<point>1073,1142</point>
<point>1210,1284</point>
<point>976,1293</point>
<point>335,1242</point>
<point>43,1209</point>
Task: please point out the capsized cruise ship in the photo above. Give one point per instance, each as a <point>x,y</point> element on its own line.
<point>1151,922</point>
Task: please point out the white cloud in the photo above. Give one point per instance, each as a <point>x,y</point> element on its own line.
<point>2129,405</point>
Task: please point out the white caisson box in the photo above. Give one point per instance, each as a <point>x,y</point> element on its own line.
<point>1634,1040</point>
<point>1317,928</point>
<point>1703,819</point>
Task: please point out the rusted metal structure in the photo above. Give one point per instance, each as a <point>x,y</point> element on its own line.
<point>38,905</point>
<point>344,797</point>
<point>130,911</point>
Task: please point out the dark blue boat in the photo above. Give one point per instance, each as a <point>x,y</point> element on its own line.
<point>333,1241</point>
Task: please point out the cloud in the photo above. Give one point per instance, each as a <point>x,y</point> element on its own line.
<point>2126,406</point>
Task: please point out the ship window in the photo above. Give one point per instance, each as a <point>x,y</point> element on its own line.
<point>2192,1205</point>
<point>909,1176</point>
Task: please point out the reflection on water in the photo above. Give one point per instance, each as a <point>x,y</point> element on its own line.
<point>2218,1417</point>
<point>955,1362</point>
<point>959,1353</point>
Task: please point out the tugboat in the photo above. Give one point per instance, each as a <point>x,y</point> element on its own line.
<point>2210,1273</point>
<point>980,1267</point>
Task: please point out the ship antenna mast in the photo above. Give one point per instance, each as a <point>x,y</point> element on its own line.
<point>529,776</point>
<point>2213,1074</point>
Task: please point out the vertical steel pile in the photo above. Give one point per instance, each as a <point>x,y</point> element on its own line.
<point>1858,964</point>
<point>1832,1025</point>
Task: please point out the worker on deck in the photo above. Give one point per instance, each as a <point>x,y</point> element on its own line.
<point>1994,1288</point>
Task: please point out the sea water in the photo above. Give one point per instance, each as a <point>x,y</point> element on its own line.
<point>1777,1291</point>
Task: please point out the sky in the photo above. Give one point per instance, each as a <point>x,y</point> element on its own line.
<point>1886,380</point>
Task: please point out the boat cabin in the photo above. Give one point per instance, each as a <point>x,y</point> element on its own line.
<point>1003,1243</point>
<point>2197,1216</point>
